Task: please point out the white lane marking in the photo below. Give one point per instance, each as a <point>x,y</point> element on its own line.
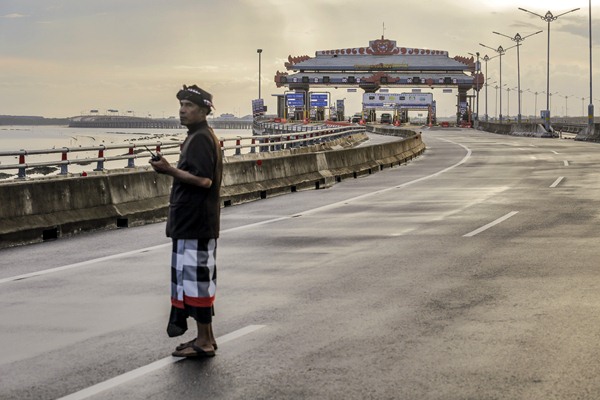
<point>555,152</point>
<point>141,371</point>
<point>491,224</point>
<point>566,163</point>
<point>557,181</point>
<point>238,228</point>
<point>81,264</point>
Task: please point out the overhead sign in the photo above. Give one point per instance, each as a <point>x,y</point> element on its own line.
<point>258,107</point>
<point>397,100</point>
<point>295,99</point>
<point>318,99</point>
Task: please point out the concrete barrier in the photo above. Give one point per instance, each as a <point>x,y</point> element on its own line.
<point>42,209</point>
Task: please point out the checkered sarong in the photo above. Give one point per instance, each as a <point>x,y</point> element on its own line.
<point>193,273</point>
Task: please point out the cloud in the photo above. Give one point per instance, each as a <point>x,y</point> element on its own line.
<point>13,15</point>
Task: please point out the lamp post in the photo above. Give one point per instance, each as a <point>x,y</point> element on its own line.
<point>549,17</point>
<point>496,100</point>
<point>477,74</point>
<point>591,105</point>
<point>518,39</point>
<point>500,50</point>
<point>259,51</point>
<point>566,104</point>
<point>486,59</point>
<point>535,104</point>
<point>508,103</point>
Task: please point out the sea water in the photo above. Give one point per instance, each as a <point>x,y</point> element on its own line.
<point>44,137</point>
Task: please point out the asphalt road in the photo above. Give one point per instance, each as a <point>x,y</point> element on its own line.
<point>470,273</point>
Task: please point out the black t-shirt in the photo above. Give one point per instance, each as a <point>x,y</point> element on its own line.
<point>194,212</point>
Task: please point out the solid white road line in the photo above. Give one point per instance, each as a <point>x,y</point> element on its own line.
<point>312,211</point>
<point>557,182</point>
<point>136,373</point>
<point>491,224</point>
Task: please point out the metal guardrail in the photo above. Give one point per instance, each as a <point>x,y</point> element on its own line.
<point>293,136</point>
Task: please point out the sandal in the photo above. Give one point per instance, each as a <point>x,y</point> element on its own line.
<point>198,352</point>
<point>190,343</point>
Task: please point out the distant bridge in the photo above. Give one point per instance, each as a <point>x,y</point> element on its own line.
<point>105,121</point>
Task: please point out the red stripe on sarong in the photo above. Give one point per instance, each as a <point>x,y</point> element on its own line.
<point>193,301</point>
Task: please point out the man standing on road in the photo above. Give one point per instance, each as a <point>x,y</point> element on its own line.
<point>193,223</point>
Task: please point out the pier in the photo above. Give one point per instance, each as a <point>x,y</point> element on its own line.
<point>125,122</point>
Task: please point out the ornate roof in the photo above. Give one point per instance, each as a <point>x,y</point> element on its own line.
<point>381,54</point>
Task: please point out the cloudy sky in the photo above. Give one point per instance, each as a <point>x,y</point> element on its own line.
<point>60,58</point>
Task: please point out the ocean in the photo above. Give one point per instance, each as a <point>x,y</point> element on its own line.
<point>44,137</point>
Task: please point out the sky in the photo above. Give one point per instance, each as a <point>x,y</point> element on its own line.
<point>62,58</point>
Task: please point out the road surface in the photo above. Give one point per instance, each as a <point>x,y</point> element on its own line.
<point>470,273</point>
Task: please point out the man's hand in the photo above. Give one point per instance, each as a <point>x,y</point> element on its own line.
<point>161,166</point>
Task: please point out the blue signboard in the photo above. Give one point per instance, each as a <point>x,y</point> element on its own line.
<point>295,99</point>
<point>318,99</point>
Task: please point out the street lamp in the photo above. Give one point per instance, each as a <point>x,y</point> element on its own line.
<point>259,51</point>
<point>591,105</point>
<point>549,17</point>
<point>500,50</point>
<point>518,39</point>
<point>508,102</point>
<point>549,96</point>
<point>535,108</point>
<point>566,104</point>
<point>495,83</point>
<point>478,75</point>
<point>486,58</point>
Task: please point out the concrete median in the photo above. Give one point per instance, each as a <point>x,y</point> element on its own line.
<point>42,209</point>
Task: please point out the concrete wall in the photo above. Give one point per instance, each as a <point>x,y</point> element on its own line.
<point>36,210</point>
<point>523,129</point>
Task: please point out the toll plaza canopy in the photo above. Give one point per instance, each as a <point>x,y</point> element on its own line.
<point>382,64</point>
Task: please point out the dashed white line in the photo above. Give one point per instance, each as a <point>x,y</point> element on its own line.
<point>491,224</point>
<point>136,373</point>
<point>557,181</point>
<point>566,163</point>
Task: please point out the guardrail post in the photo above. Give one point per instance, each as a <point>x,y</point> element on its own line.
<point>100,164</point>
<point>21,174</point>
<point>64,168</point>
<point>238,148</point>
<point>130,160</point>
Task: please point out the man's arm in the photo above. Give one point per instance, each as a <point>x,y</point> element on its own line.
<point>162,166</point>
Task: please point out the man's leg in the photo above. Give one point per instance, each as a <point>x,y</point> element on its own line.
<point>202,346</point>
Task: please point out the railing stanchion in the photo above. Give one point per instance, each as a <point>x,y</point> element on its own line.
<point>238,148</point>
<point>130,160</point>
<point>21,174</point>
<point>100,164</point>
<point>64,168</point>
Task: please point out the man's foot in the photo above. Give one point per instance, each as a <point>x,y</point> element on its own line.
<point>194,351</point>
<point>190,343</point>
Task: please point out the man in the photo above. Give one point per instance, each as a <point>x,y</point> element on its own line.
<point>193,223</point>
